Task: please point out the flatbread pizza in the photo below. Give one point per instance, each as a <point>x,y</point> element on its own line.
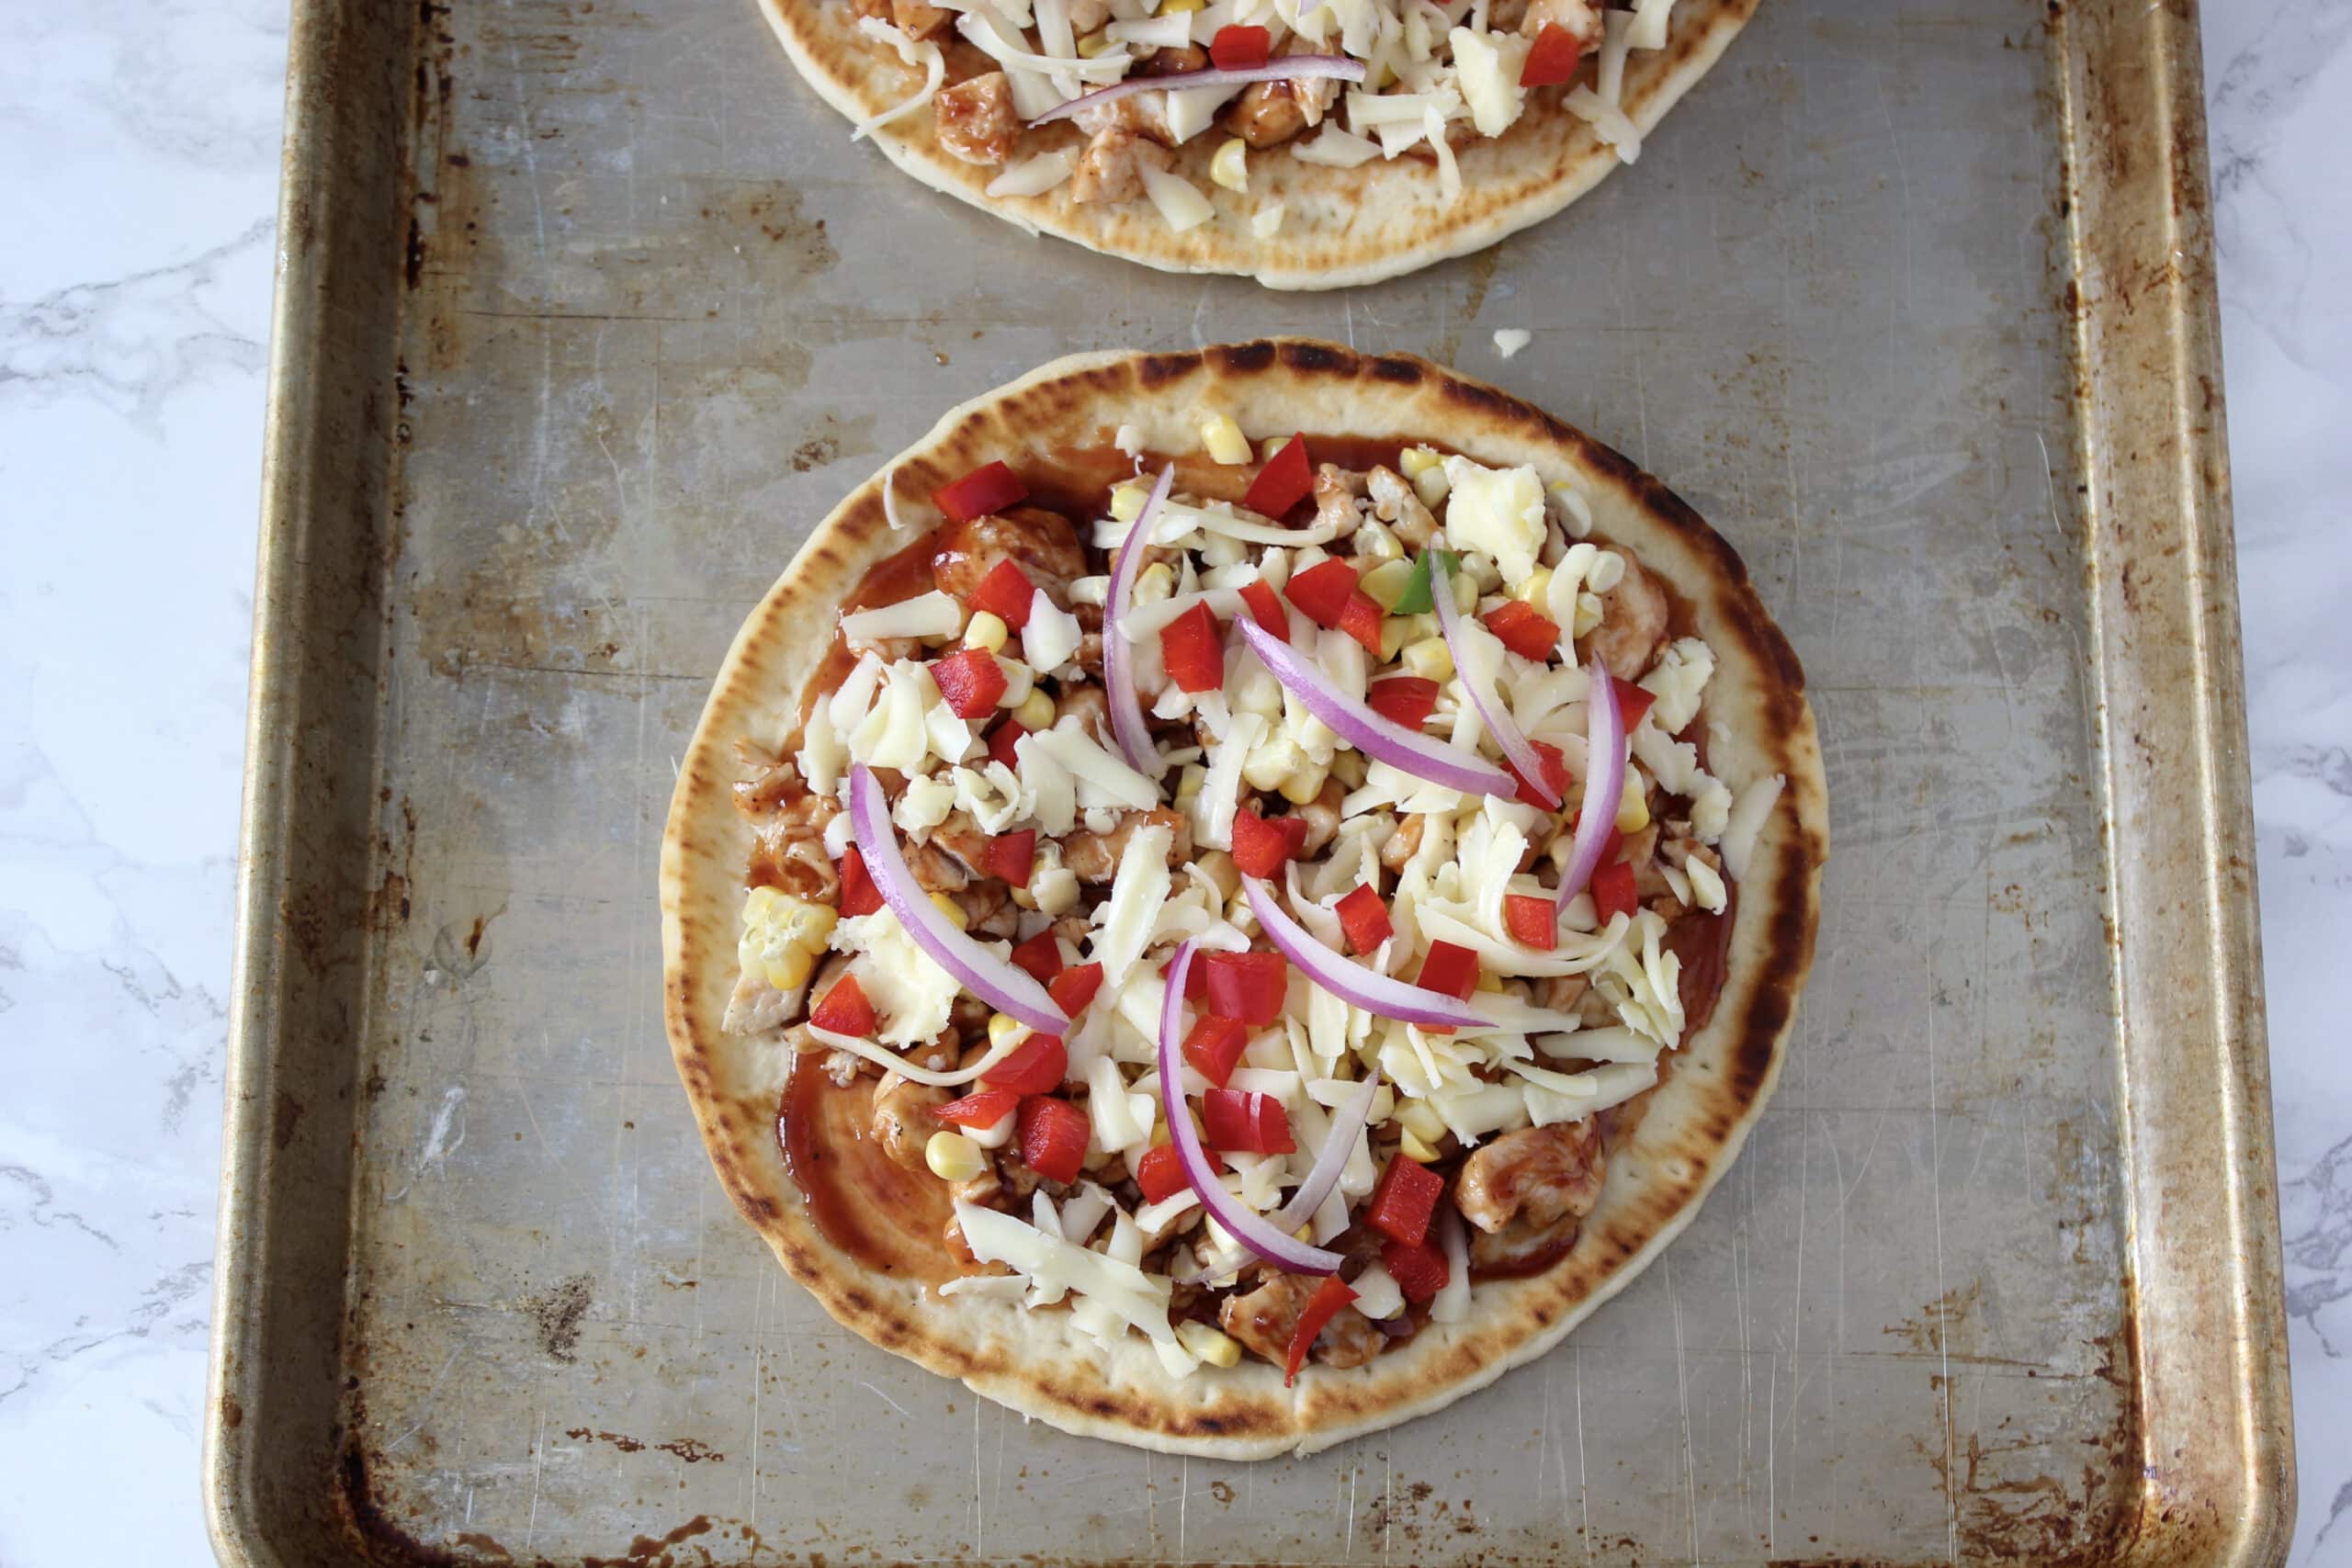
<point>1310,143</point>
<point>1227,899</point>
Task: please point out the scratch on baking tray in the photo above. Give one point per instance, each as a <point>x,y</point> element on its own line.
<point>438,1146</point>
<point>883,1398</point>
<point>538,1458</point>
<point>530,138</point>
<point>1943,1343</point>
<point>424,1405</point>
<point>1683,1394</point>
<point>1584,1497</point>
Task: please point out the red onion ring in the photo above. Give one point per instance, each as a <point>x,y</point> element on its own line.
<point>1118,674</point>
<point>1496,717</point>
<point>1283,70</point>
<point>1347,1120</point>
<point>1252,1230</point>
<point>999,982</point>
<point>1382,995</point>
<point>1604,780</point>
<point>1373,734</point>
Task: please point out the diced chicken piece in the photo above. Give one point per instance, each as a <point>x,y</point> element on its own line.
<point>1558,993</point>
<point>976,121</point>
<point>880,8</point>
<point>1404,843</point>
<point>1580,20</point>
<point>788,850</point>
<point>917,19</point>
<point>989,909</point>
<point>755,1007</point>
<point>1090,707</point>
<point>1111,169</point>
<point>1338,491</point>
<point>1633,624</point>
<point>902,1120</point>
<point>1537,1176</point>
<point>1266,114</point>
<point>936,870</point>
<point>1085,16</point>
<point>1394,502</point>
<point>1094,857</point>
<point>1043,544</point>
<point>1175,62</point>
<point>1321,815</point>
<point>1144,114</point>
<point>1264,1319</point>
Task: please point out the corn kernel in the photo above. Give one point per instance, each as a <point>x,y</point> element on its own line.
<point>1536,589</point>
<point>1272,763</point>
<point>986,630</point>
<point>1430,659</point>
<point>1387,581</point>
<point>1035,712</point>
<point>1347,768</point>
<point>1024,899</point>
<point>1155,583</point>
<point>1126,500</point>
<point>1169,7</point>
<point>1431,485</point>
<point>1095,43</point>
<point>1230,167</point>
<point>952,1157</point>
<point>789,970</point>
<point>1003,1027</point>
<point>1189,782</point>
<point>1395,631</point>
<point>1634,807</point>
<point>1420,1117</point>
<point>1223,440</point>
<point>1214,1346</point>
<point>1588,613</point>
<point>1414,1149</point>
<point>952,909</point>
<point>1378,541</point>
<point>1301,785</point>
<point>1415,461</point>
<point>1218,867</point>
<point>1466,590</point>
<point>1489,981</point>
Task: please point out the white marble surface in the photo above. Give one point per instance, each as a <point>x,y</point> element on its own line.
<point>139,168</point>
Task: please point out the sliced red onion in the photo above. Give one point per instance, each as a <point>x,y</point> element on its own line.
<point>1604,780</point>
<point>1283,70</point>
<point>1249,1228</point>
<point>1347,1120</point>
<point>1118,673</point>
<point>999,982</point>
<point>1382,995</point>
<point>1495,716</point>
<point>1370,733</point>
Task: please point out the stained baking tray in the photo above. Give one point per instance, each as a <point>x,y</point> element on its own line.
<point>588,313</point>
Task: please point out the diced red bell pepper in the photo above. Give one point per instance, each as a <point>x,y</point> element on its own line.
<point>1238,47</point>
<point>1403,1201</point>
<point>1190,648</point>
<point>1246,1122</point>
<point>1036,1067</point>
<point>1196,981</point>
<point>1613,890</point>
<point>859,896</point>
<point>1007,593</point>
<point>1330,1296</point>
<point>1552,60</point>
<point>985,1109</point>
<point>1633,702</point>
<point>1053,1137</point>
<point>1160,1172</point>
<point>1450,970</point>
<point>1261,847</point>
<point>1532,921</point>
<point>1421,1272</point>
<point>1289,474</point>
<point>1246,985</point>
<point>1265,609</point>
<point>1041,955</point>
<point>1360,618</point>
<point>1407,699</point>
<point>1555,774</point>
<point>1074,987</point>
<point>991,486</point>
<point>1611,842</point>
<point>845,1010</point>
<point>1002,741</point>
<point>1013,855</point>
<point>1365,919</point>
<point>971,681</point>
<point>1524,629</point>
<point>1213,1046</point>
<point>1322,591</point>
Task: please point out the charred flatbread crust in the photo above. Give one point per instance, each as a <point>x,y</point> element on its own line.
<point>1693,1125</point>
<point>1340,227</point>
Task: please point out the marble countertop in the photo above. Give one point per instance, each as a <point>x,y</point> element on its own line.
<point>141,160</point>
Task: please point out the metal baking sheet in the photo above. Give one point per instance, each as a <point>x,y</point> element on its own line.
<point>588,313</point>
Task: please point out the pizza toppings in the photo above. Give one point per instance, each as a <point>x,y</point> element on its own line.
<point>1230,899</point>
<point>1141,83</point>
